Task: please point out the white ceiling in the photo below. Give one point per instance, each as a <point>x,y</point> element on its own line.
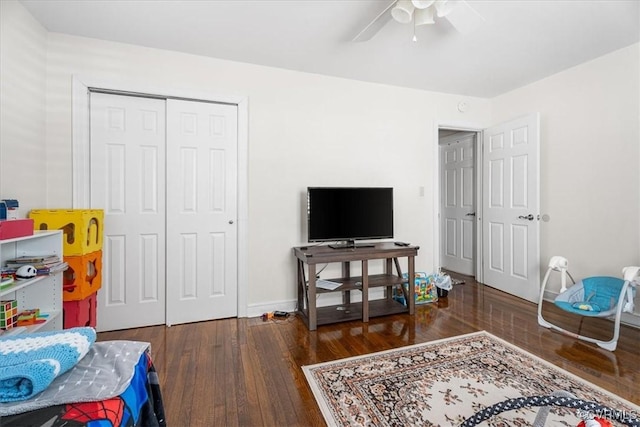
<point>519,42</point>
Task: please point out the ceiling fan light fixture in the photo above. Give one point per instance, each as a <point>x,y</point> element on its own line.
<point>422,4</point>
<point>444,7</point>
<point>424,16</point>
<point>403,11</point>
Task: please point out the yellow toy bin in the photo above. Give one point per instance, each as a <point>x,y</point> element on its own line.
<point>83,228</point>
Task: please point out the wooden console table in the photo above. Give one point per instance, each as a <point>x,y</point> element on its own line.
<point>387,251</point>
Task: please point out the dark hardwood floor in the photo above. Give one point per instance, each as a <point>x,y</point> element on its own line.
<point>246,372</point>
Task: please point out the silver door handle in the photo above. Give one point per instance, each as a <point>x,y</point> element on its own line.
<point>471,214</point>
<point>529,217</point>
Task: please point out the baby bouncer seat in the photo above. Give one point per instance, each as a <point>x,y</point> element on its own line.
<point>599,296</point>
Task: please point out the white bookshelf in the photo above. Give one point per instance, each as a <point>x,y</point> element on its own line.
<point>43,292</point>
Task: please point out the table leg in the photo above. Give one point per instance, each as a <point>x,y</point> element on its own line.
<point>346,273</point>
<point>388,269</point>
<point>311,292</point>
<point>365,290</point>
<point>412,289</point>
<point>302,285</point>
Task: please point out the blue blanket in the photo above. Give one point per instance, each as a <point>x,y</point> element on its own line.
<point>30,362</point>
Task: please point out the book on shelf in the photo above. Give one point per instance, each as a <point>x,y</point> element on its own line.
<point>41,269</point>
<point>36,262</point>
<point>6,281</point>
<point>34,259</point>
<point>327,284</point>
<point>61,266</point>
<point>44,270</point>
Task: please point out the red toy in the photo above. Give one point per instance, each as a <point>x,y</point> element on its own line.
<point>595,422</point>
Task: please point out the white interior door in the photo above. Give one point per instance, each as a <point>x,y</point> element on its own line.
<point>201,211</point>
<point>127,181</point>
<point>457,205</point>
<point>511,203</point>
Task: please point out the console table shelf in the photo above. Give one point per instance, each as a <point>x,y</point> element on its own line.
<point>353,311</point>
<point>355,283</point>
<point>347,311</point>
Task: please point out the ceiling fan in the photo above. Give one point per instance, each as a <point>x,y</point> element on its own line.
<point>459,13</point>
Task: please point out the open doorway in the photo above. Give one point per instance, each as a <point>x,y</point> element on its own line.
<point>458,157</point>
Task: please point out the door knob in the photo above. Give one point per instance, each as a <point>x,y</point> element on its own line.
<point>529,217</point>
<point>230,221</point>
<point>471,214</point>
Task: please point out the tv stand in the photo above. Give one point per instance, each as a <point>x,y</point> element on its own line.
<point>351,244</point>
<point>388,252</point>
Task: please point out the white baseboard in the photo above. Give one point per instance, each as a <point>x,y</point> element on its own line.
<point>257,310</point>
<point>630,319</point>
<point>333,298</point>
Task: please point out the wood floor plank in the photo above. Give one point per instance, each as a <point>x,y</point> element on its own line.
<point>246,372</point>
<point>250,367</point>
<point>207,357</point>
<point>237,374</point>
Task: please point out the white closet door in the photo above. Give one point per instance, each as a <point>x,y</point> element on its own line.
<point>201,211</point>
<point>128,182</point>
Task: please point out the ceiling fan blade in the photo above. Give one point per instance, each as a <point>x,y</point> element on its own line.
<point>374,26</point>
<point>464,18</point>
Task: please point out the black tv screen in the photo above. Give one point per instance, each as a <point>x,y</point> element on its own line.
<point>349,213</point>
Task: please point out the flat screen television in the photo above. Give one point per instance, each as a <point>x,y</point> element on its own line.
<point>347,214</point>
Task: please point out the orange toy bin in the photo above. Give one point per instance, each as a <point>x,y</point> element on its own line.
<point>83,277</point>
<point>80,313</point>
<point>82,228</point>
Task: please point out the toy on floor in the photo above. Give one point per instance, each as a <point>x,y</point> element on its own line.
<point>599,296</point>
<point>595,422</point>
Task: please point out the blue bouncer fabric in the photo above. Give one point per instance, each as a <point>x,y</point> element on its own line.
<point>593,296</point>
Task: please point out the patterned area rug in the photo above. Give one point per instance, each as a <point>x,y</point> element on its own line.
<point>447,382</point>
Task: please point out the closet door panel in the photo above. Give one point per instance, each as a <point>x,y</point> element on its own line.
<point>128,182</point>
<point>201,210</point>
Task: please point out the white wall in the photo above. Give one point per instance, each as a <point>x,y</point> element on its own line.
<point>23,161</point>
<point>590,147</point>
<point>304,130</point>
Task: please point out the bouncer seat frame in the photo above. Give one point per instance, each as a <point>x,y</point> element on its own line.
<point>591,297</point>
